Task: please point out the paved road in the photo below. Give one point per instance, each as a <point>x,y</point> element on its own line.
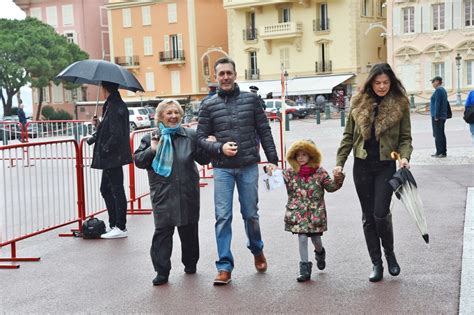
<point>114,276</point>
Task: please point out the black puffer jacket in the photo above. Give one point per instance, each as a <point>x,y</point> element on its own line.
<point>235,116</point>
<point>175,199</point>
<point>112,148</point>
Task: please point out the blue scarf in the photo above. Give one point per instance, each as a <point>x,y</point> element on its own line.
<point>163,161</point>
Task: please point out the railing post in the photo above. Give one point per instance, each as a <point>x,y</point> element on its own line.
<point>412,101</point>
<point>327,111</point>
<point>343,118</point>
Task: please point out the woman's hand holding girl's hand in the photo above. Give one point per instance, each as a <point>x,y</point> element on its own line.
<point>336,171</point>
<point>404,163</point>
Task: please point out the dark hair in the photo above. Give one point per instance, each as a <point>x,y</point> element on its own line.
<point>110,86</point>
<point>396,87</point>
<point>224,60</point>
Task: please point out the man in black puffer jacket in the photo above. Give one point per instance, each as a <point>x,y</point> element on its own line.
<point>235,119</point>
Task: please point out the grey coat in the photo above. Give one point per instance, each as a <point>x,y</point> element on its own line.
<point>175,199</point>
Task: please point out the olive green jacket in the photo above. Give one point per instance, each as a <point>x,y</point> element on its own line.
<point>392,128</point>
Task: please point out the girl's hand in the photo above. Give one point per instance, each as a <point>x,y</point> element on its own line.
<point>404,163</point>
<point>337,171</point>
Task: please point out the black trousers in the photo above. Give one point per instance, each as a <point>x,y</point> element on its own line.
<point>111,188</point>
<point>162,246</point>
<point>375,194</point>
<point>439,135</point>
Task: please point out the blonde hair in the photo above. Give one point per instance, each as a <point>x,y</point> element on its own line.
<point>164,104</point>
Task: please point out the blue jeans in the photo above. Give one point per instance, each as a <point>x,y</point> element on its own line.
<point>439,135</point>
<point>246,179</point>
<point>471,127</point>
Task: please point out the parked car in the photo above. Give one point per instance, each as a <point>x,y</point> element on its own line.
<point>11,129</point>
<point>292,110</point>
<point>139,118</point>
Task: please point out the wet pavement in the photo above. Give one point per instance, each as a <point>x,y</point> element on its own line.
<point>114,276</point>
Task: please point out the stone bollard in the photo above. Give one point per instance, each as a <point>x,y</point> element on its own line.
<point>327,111</point>
<point>318,116</point>
<point>343,118</point>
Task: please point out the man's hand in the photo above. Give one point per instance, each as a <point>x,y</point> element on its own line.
<point>211,139</point>
<point>337,171</point>
<point>95,121</point>
<point>229,149</point>
<point>269,168</point>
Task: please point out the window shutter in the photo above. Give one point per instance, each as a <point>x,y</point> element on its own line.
<point>457,14</point>
<point>68,15</point>
<point>147,45</point>
<point>146,19</point>
<point>418,21</point>
<point>150,81</point>
<point>36,13</point>
<point>126,18</point>
<point>128,42</point>
<point>52,16</point>
<point>426,13</point>
<point>448,73</point>
<point>396,21</point>
<point>180,41</point>
<point>172,13</point>
<point>428,76</point>
<point>448,14</point>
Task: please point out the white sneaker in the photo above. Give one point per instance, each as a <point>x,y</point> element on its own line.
<point>115,233</point>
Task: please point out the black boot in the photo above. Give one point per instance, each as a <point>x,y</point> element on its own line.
<point>305,271</point>
<point>160,279</point>
<point>385,232</point>
<point>320,259</point>
<point>377,273</point>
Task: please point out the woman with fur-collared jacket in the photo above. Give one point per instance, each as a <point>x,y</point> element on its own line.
<point>378,123</point>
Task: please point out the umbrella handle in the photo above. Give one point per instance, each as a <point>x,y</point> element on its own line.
<point>396,156</point>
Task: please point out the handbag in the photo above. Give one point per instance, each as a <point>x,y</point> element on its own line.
<point>469,115</point>
<point>449,112</point>
<point>93,228</point>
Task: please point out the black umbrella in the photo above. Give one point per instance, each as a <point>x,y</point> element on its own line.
<point>93,71</point>
<point>404,185</point>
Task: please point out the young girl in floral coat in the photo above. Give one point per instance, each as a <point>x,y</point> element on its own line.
<point>305,213</point>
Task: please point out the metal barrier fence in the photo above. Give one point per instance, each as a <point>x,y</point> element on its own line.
<point>10,131</point>
<point>39,191</point>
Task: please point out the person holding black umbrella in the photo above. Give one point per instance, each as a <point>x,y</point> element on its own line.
<point>378,123</point>
<point>111,152</point>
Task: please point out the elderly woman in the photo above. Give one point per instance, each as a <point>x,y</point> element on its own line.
<point>378,123</point>
<point>168,155</point>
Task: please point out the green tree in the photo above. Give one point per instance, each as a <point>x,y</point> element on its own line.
<point>31,51</point>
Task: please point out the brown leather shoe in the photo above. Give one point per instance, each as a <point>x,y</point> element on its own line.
<point>260,263</point>
<point>223,278</point>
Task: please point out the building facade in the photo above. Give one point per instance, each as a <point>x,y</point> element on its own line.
<point>170,46</point>
<point>432,38</point>
<point>83,22</point>
<point>334,42</point>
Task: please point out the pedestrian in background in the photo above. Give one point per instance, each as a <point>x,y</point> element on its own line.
<point>470,103</point>
<point>21,114</point>
<point>305,214</point>
<point>169,156</point>
<point>254,90</point>
<point>378,124</point>
<point>235,118</point>
<point>439,114</point>
<point>111,152</point>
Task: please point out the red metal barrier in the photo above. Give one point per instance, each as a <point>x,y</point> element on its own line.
<point>40,191</point>
<point>10,131</point>
<point>65,129</point>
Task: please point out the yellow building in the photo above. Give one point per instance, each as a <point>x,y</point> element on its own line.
<point>170,46</point>
<point>320,44</point>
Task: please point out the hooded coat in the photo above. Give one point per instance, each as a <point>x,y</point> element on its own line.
<point>306,209</point>
<point>175,199</point>
<point>392,128</point>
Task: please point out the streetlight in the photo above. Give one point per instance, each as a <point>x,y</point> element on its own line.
<point>458,66</point>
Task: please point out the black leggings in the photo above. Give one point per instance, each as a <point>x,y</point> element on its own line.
<point>371,182</point>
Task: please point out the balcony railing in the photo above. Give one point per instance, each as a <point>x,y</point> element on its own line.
<point>240,4</point>
<point>323,67</point>
<point>321,25</point>
<point>252,74</point>
<point>172,56</point>
<point>128,61</point>
<point>287,29</point>
<point>250,33</point>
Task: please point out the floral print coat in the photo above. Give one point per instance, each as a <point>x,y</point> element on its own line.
<point>306,209</point>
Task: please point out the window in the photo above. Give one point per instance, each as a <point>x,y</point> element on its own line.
<point>150,81</point>
<point>439,69</point>
<point>408,20</point>
<point>205,64</point>
<point>172,13</point>
<point>147,45</point>
<point>128,44</point>
<point>253,65</point>
<point>323,58</point>
<point>469,12</point>
<point>52,16</point>
<point>380,7</point>
<point>46,94</point>
<point>36,13</point>
<point>105,45</point>
<point>284,15</point>
<point>58,97</point>
<point>366,7</point>
<point>285,57</point>
<point>68,15</point>
<point>323,17</point>
<point>470,72</point>
<point>146,16</point>
<point>104,21</point>
<point>251,31</point>
<point>71,37</point>
<point>126,18</point>
<point>438,16</point>
<point>174,46</point>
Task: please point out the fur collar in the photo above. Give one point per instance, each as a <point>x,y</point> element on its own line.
<point>391,111</point>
